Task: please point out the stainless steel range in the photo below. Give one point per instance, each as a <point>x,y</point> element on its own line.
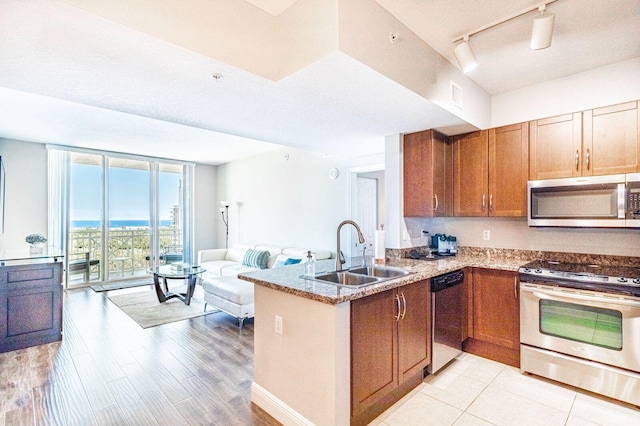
<point>580,325</point>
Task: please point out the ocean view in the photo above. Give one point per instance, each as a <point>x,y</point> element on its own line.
<point>116,223</point>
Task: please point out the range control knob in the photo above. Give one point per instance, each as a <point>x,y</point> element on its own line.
<point>636,280</point>
<point>538,271</point>
<point>622,280</point>
<point>527,270</point>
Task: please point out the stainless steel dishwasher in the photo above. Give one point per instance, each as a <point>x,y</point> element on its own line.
<point>446,318</point>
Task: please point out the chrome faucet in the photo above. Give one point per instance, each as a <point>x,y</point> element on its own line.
<point>339,261</point>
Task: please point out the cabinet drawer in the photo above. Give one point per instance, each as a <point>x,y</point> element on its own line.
<point>18,278</point>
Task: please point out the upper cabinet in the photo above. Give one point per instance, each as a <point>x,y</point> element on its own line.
<point>491,169</point>
<point>610,140</point>
<point>471,174</point>
<point>556,147</point>
<point>596,142</point>
<point>508,170</point>
<point>428,175</point>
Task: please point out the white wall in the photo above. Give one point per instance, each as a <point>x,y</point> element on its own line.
<point>26,192</point>
<point>285,202</point>
<point>609,85</point>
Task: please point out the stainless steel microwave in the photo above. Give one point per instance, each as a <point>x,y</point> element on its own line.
<point>595,201</point>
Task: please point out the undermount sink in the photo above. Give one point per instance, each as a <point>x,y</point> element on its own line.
<point>379,271</point>
<point>346,278</point>
<point>360,277</point>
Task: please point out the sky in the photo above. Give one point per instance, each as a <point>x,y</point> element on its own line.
<point>129,193</point>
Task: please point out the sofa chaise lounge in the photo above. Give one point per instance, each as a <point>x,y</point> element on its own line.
<point>222,287</point>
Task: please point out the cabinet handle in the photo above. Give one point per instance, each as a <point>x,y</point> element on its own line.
<point>587,160</point>
<point>515,287</point>
<point>397,317</point>
<point>490,202</point>
<point>577,159</point>
<point>483,196</point>
<point>404,303</point>
<point>435,208</point>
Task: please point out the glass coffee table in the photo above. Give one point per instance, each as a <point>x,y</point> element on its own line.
<point>173,272</point>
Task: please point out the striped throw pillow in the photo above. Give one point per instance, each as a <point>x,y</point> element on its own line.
<point>256,258</point>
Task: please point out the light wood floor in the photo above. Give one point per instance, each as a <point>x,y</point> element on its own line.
<point>109,371</point>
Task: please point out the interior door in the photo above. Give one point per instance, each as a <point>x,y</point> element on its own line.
<point>366,215</point>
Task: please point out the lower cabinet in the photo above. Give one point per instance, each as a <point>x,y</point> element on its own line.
<point>494,327</point>
<point>30,305</point>
<point>390,347</point>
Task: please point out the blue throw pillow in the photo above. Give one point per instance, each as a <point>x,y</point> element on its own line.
<point>256,258</point>
<point>284,260</point>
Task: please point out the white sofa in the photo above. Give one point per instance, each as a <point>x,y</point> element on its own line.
<point>222,287</point>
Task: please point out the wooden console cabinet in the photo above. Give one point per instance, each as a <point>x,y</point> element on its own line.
<point>30,305</point>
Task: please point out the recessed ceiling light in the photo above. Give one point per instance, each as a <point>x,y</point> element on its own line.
<point>216,76</point>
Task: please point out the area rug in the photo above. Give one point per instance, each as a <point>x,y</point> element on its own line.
<point>143,307</point>
<point>122,284</point>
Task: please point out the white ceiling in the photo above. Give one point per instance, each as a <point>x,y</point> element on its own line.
<point>69,77</point>
<point>587,34</point>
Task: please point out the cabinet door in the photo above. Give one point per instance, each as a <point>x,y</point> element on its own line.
<point>470,195</point>
<point>373,347</point>
<point>555,147</point>
<point>442,174</point>
<point>496,311</point>
<point>414,328</point>
<point>611,142</point>
<point>508,170</point>
<point>418,172</point>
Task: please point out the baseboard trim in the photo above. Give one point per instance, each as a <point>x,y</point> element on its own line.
<point>276,408</point>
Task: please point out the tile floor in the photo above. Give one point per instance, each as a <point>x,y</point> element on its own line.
<point>478,391</point>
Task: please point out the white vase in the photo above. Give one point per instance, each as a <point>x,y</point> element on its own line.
<point>36,248</point>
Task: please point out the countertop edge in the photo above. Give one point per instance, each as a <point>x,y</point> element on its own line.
<point>288,279</point>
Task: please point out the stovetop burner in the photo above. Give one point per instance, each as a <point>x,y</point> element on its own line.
<point>615,279</point>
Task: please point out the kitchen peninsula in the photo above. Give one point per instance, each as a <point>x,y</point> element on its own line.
<point>302,370</point>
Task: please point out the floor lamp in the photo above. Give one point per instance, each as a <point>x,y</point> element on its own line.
<point>224,211</point>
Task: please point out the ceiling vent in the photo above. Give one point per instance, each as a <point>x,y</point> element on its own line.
<point>456,95</point>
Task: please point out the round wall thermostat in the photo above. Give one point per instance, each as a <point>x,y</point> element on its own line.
<point>334,173</point>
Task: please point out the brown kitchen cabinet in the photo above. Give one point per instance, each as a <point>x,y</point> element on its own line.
<point>390,347</point>
<point>495,324</point>
<point>491,172</point>
<point>30,305</point>
<point>555,147</point>
<point>596,142</point>
<point>611,139</point>
<point>428,175</point>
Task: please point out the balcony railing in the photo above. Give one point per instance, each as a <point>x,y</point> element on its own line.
<point>128,248</point>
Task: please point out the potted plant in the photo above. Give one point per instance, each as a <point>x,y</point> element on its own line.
<point>36,242</point>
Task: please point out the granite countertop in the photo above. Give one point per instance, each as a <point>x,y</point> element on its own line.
<point>288,279</point>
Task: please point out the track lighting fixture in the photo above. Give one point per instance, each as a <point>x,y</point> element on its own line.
<point>465,56</point>
<point>540,35</point>
<point>542,29</point>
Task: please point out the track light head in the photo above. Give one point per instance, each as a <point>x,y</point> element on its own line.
<point>465,56</point>
<point>542,30</point>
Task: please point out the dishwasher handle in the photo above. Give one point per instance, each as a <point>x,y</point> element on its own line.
<point>445,281</point>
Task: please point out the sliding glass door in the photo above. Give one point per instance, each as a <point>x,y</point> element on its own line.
<point>124,214</point>
<point>85,218</point>
<point>129,232</point>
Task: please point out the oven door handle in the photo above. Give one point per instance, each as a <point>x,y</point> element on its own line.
<point>554,294</point>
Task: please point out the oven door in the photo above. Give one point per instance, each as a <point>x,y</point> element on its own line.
<point>595,326</point>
